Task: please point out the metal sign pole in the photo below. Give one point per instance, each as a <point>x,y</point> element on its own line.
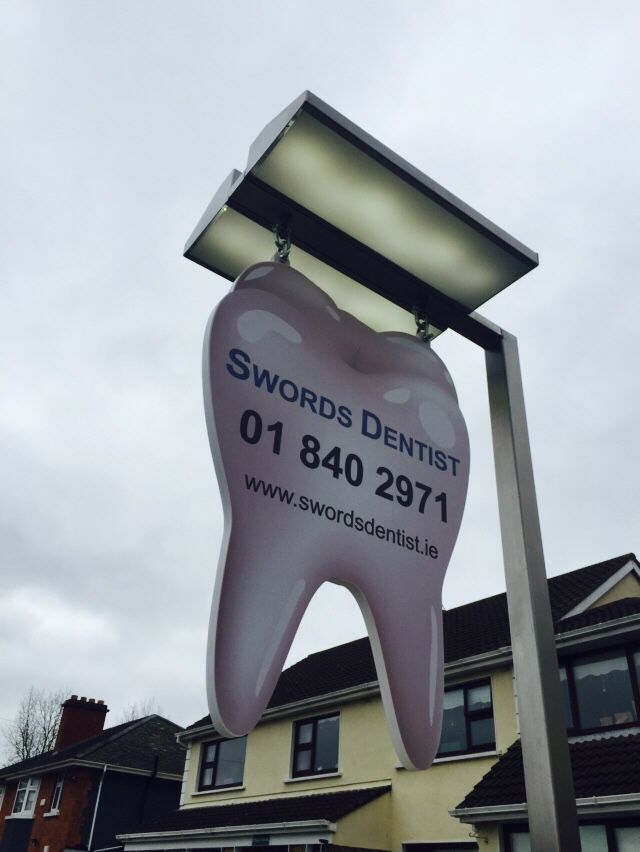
<point>553,822</point>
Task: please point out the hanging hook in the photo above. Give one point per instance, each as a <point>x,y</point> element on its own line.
<point>282,238</point>
<point>422,325</point>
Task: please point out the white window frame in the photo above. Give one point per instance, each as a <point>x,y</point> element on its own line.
<point>26,785</point>
<point>56,795</point>
<point>2,791</point>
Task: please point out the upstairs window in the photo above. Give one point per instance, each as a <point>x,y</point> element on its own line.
<point>467,721</point>
<point>222,764</point>
<point>600,691</point>
<point>57,793</point>
<point>315,746</point>
<point>26,793</point>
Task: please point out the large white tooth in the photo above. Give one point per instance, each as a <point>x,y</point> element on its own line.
<point>275,553</point>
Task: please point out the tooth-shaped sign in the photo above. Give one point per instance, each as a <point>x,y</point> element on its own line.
<point>341,455</point>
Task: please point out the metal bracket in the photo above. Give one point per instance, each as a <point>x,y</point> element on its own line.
<point>282,239</point>
<point>422,325</point>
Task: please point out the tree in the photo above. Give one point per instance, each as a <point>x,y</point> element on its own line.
<point>136,711</point>
<point>35,726</point>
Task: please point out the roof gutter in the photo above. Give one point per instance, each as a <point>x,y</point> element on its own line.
<point>341,696</point>
<point>582,634</point>
<point>90,764</point>
<point>139,841</point>
<point>491,813</point>
<point>586,807</point>
<point>569,638</point>
<point>455,668</point>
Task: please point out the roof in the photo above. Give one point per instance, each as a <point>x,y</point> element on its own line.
<point>318,806</point>
<point>568,590</point>
<point>469,630</point>
<point>609,766</point>
<point>609,612</point>
<point>133,745</point>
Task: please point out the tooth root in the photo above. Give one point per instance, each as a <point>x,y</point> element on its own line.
<point>403,624</point>
<point>263,597</point>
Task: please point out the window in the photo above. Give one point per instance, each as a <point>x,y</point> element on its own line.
<point>627,838</point>
<point>57,793</point>
<point>600,691</point>
<point>315,746</point>
<point>519,841</point>
<point>467,721</point>
<point>26,796</point>
<point>222,764</point>
<point>609,836</point>
<point>1,794</point>
<point>566,699</point>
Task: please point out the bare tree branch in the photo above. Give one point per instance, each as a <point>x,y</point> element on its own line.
<point>137,710</point>
<point>34,728</point>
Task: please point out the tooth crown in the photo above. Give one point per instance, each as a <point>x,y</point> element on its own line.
<point>278,348</point>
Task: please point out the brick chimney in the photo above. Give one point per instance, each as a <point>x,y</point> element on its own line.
<point>81,718</point>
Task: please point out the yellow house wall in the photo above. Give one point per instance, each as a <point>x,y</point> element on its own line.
<point>488,837</point>
<point>504,709</point>
<point>369,827</point>
<point>417,809</point>
<point>628,587</point>
<point>365,756</point>
<point>422,800</point>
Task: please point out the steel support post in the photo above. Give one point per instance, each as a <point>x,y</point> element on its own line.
<point>547,769</point>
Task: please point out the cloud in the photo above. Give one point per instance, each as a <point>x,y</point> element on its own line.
<point>53,621</point>
<point>122,121</point>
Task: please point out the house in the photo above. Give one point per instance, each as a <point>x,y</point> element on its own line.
<point>93,785</point>
<point>319,769</point>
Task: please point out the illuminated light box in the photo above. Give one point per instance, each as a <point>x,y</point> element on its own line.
<point>377,235</point>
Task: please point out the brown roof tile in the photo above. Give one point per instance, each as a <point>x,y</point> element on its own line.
<point>608,766</point>
<point>329,806</point>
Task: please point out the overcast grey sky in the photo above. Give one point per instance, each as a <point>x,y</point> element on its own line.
<point>119,121</point>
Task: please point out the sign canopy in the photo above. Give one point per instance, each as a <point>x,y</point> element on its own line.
<point>375,233</point>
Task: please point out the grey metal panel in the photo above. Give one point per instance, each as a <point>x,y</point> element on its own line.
<point>240,189</point>
<point>272,131</point>
<point>548,780</point>
<point>215,205</point>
